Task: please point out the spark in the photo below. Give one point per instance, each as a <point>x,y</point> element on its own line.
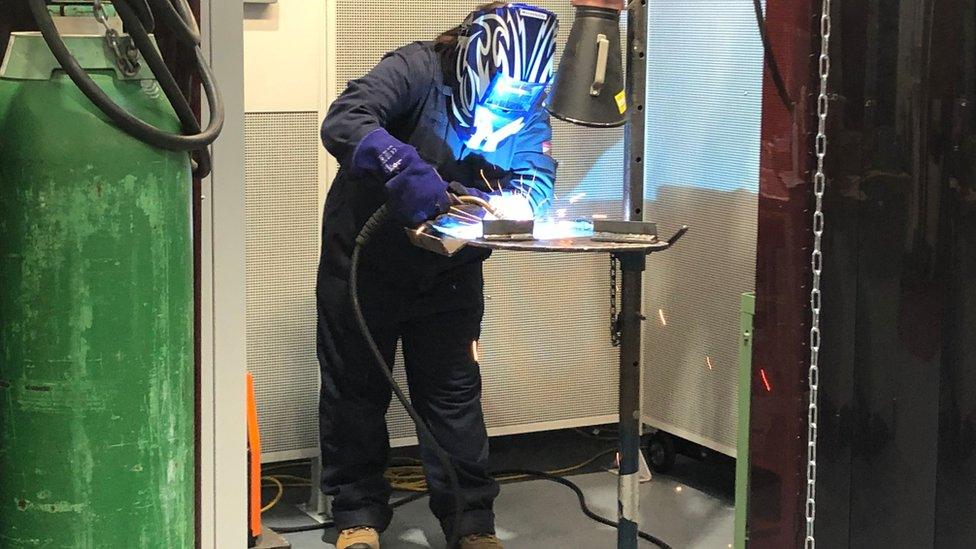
<point>485,178</point>
<point>765,380</point>
<point>420,229</point>
<point>708,360</point>
<point>678,489</point>
<point>664,321</point>
<point>599,216</point>
<point>475,351</point>
<point>464,215</point>
<point>561,212</point>
<point>576,198</point>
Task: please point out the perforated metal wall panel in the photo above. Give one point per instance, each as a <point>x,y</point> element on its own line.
<point>704,107</point>
<point>546,355</point>
<point>281,188</point>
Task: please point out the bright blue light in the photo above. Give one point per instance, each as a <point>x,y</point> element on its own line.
<point>507,95</point>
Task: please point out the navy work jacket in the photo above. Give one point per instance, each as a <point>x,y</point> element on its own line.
<point>406,94</point>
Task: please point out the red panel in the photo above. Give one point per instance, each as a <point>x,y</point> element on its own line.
<point>781,354</point>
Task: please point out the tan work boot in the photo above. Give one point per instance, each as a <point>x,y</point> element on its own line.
<point>480,541</point>
<point>361,537</point>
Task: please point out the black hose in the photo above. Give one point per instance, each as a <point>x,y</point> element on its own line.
<point>144,13</point>
<point>186,30</point>
<point>777,77</point>
<point>123,119</point>
<point>423,430</point>
<point>580,496</point>
<point>165,78</point>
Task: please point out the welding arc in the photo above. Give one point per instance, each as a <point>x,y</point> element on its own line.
<point>423,430</point>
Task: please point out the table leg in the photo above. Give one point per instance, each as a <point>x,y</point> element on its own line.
<point>628,500</point>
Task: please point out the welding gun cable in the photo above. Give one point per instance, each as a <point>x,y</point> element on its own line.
<point>165,78</point>
<point>423,430</point>
<point>125,120</point>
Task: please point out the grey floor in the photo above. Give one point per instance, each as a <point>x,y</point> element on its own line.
<point>540,514</point>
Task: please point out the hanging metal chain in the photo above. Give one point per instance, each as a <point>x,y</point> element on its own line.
<point>614,315</point>
<point>125,51</point>
<point>819,188</point>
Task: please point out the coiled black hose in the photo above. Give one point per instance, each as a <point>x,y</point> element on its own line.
<point>127,122</point>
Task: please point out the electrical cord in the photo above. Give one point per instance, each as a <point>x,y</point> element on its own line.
<point>125,120</point>
<point>278,496</point>
<point>777,77</point>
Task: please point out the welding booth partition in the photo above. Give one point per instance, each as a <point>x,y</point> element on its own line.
<point>896,455</point>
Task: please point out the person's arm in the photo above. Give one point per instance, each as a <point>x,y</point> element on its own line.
<point>533,167</point>
<point>355,132</point>
<point>392,88</point>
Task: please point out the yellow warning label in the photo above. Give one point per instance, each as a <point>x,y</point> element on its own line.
<point>622,101</point>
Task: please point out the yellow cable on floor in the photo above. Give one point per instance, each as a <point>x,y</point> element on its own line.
<point>410,478</point>
<point>277,498</point>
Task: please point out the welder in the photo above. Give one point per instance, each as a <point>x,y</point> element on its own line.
<point>460,115</point>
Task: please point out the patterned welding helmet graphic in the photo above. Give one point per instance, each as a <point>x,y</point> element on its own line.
<point>516,43</point>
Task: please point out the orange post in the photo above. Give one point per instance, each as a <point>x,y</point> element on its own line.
<point>254,454</point>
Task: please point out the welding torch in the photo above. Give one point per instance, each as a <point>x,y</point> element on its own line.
<point>460,197</point>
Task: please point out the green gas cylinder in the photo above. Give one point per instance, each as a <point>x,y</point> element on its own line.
<point>96,312</point>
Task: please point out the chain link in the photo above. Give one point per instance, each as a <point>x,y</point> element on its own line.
<point>614,315</point>
<point>816,264</point>
<point>125,52</point>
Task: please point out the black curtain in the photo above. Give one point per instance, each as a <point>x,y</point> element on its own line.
<point>898,410</point>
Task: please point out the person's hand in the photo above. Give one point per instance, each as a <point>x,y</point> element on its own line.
<point>512,206</point>
<point>417,194</point>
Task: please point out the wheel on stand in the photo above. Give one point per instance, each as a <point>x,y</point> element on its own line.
<point>660,452</point>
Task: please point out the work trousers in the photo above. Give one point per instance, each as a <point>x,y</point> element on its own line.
<point>438,322</point>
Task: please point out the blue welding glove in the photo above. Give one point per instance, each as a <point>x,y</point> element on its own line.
<point>383,155</point>
<point>417,194</point>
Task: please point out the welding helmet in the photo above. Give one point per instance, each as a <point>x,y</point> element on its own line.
<point>503,66</point>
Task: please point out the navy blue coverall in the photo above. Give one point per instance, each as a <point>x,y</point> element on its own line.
<point>433,305</point>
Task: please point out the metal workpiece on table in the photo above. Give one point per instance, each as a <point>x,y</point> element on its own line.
<point>505,229</point>
<point>572,245</point>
